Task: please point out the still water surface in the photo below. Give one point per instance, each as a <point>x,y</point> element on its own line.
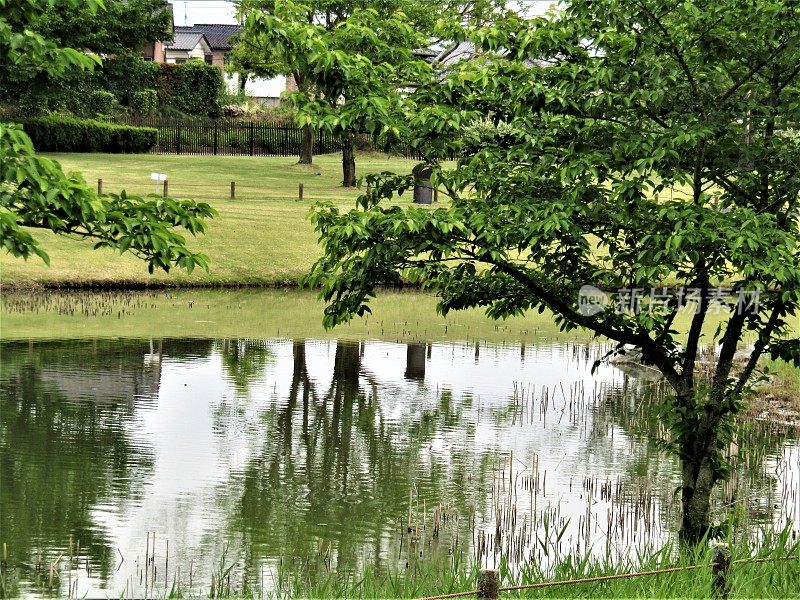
<point>262,454</point>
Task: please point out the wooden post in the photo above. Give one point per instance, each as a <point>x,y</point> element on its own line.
<point>300,192</point>
<point>435,194</point>
<point>488,585</point>
<point>166,188</point>
<point>719,571</point>
<point>100,185</point>
<point>233,190</point>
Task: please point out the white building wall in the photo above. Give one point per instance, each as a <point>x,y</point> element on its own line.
<point>199,52</point>
<point>265,88</point>
<point>231,82</point>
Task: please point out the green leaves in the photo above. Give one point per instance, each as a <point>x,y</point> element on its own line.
<point>787,350</point>
<point>619,145</point>
<point>353,61</point>
<point>35,193</point>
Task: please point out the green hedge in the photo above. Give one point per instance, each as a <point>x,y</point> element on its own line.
<point>144,103</point>
<point>126,74</point>
<point>193,88</point>
<point>67,134</point>
<point>101,102</point>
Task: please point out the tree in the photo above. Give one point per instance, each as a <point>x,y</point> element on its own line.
<point>252,55</point>
<point>121,25</point>
<point>284,37</point>
<point>575,132</point>
<point>122,28</point>
<point>344,56</point>
<point>36,193</point>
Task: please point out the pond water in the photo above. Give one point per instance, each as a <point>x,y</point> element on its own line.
<point>247,454</point>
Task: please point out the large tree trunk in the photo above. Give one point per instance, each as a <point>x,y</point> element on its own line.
<point>698,482</point>
<point>348,161</point>
<point>307,146</point>
<point>699,476</point>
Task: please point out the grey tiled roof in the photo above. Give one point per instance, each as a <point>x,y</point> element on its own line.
<point>185,40</point>
<point>217,35</point>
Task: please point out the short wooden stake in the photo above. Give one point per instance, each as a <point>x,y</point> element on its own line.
<point>233,190</point>
<point>719,570</point>
<point>166,188</point>
<point>488,585</point>
<point>100,186</point>
<point>300,192</point>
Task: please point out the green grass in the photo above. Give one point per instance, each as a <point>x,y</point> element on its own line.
<point>778,579</point>
<point>262,238</point>
<point>264,313</point>
<point>259,314</point>
<point>786,372</point>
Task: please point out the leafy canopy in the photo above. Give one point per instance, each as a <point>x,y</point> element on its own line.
<point>256,53</point>
<point>347,53</point>
<point>625,145</point>
<point>36,193</point>
<point>121,25</point>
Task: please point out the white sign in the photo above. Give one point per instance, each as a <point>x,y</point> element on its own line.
<point>158,176</point>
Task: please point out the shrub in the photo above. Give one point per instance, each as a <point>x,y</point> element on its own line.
<point>44,93</point>
<point>234,111</point>
<point>101,102</point>
<point>67,134</point>
<point>127,74</point>
<point>363,142</point>
<point>193,88</point>
<point>235,138</point>
<point>144,103</point>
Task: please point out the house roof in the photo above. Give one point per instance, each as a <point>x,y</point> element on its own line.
<point>218,35</point>
<point>186,40</point>
<point>454,54</point>
<point>425,53</point>
<point>467,51</point>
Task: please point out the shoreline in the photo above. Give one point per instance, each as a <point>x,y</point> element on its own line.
<point>124,285</point>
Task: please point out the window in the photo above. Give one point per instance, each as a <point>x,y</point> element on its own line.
<point>180,61</point>
<point>209,59</point>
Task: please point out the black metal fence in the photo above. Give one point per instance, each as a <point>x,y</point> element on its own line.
<point>232,138</point>
<point>238,138</point>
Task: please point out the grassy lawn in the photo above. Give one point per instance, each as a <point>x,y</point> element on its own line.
<point>262,237</point>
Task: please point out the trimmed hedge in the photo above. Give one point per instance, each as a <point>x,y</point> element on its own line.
<point>126,74</point>
<point>101,102</point>
<point>193,88</point>
<point>67,134</point>
<point>144,102</point>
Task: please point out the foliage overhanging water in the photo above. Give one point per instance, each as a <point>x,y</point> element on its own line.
<point>266,452</point>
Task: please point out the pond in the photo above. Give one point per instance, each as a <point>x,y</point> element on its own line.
<point>164,437</point>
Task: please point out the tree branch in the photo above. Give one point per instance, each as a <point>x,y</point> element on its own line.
<point>749,75</point>
<point>635,338</point>
<point>693,339</point>
<point>730,340</point>
<point>758,348</point>
<point>672,47</point>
